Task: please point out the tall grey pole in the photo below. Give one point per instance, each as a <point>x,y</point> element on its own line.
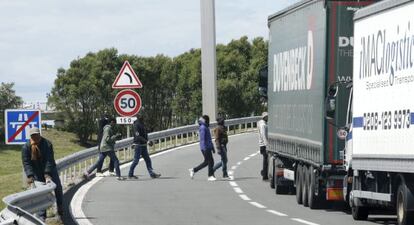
<point>208,59</point>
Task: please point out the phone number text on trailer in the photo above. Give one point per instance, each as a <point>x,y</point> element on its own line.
<point>387,120</point>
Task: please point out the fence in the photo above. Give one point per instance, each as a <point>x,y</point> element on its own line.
<point>72,167</point>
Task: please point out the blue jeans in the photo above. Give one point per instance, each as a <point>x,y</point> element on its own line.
<point>102,156</point>
<point>141,150</point>
<point>223,162</point>
<point>208,161</point>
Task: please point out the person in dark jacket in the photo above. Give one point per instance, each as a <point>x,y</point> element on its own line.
<point>39,165</point>
<point>207,149</point>
<point>221,140</point>
<point>101,124</point>
<point>140,142</point>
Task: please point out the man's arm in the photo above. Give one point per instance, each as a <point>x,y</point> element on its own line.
<point>262,132</point>
<point>202,138</point>
<point>50,159</point>
<point>27,162</point>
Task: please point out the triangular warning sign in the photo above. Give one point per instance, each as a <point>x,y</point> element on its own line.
<point>126,78</point>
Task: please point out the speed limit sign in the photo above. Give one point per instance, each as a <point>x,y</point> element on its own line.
<point>127,103</point>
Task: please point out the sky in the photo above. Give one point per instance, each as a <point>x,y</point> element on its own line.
<point>39,37</point>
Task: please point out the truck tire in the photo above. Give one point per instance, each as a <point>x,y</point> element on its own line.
<point>313,200</point>
<point>298,184</point>
<point>305,185</point>
<point>404,217</point>
<point>359,213</point>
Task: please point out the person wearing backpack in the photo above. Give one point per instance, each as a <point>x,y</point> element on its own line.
<point>221,140</point>
<point>39,165</point>
<point>141,141</point>
<point>101,124</point>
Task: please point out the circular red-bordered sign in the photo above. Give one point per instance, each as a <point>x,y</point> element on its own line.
<point>127,103</point>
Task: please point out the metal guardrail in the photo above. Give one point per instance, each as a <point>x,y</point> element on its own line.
<point>21,206</point>
<point>72,167</point>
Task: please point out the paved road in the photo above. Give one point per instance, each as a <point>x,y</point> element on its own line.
<point>177,200</point>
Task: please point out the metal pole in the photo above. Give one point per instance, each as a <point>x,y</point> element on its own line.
<point>208,59</point>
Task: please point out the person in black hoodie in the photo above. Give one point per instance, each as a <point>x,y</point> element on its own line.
<point>39,165</point>
<point>140,142</point>
<point>221,139</point>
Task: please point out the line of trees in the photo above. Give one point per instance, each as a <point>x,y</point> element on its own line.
<point>171,92</point>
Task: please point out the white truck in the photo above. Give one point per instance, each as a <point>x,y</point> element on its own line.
<point>379,149</point>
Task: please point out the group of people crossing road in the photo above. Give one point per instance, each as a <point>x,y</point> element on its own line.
<point>39,163</point>
<point>106,147</point>
<point>207,148</point>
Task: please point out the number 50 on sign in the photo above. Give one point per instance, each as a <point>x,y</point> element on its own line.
<point>127,103</point>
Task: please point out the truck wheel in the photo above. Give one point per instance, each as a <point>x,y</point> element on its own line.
<point>360,213</point>
<point>272,173</point>
<point>404,217</point>
<point>305,185</point>
<point>313,199</point>
<point>298,184</point>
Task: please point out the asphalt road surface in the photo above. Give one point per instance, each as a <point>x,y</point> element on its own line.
<point>178,200</point>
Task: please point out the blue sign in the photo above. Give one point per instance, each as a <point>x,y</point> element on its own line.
<point>18,122</point>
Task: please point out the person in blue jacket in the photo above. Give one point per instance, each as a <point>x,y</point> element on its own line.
<point>207,148</point>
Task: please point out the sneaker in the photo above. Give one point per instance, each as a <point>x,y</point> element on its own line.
<point>211,178</point>
<point>132,177</point>
<point>226,177</point>
<point>112,174</point>
<point>155,175</point>
<point>120,178</point>
<point>99,174</point>
<point>191,173</point>
<point>85,176</point>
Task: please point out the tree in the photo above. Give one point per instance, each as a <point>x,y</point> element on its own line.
<point>8,100</point>
<point>83,92</point>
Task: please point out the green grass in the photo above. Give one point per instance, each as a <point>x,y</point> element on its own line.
<point>64,144</point>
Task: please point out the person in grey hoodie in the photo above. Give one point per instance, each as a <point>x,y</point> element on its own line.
<point>107,148</point>
<point>262,126</point>
<point>206,147</point>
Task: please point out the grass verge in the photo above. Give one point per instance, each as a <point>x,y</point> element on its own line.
<point>64,143</point>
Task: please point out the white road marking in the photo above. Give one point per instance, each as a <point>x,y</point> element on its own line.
<point>244,197</point>
<point>238,190</point>
<point>234,184</point>
<point>304,221</point>
<point>258,205</point>
<point>276,212</point>
<point>76,204</point>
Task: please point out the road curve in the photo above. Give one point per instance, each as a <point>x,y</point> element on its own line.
<point>177,200</point>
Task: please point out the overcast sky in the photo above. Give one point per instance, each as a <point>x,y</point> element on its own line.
<point>38,37</point>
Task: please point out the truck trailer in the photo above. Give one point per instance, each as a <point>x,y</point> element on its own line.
<point>310,48</point>
<point>379,130</point>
